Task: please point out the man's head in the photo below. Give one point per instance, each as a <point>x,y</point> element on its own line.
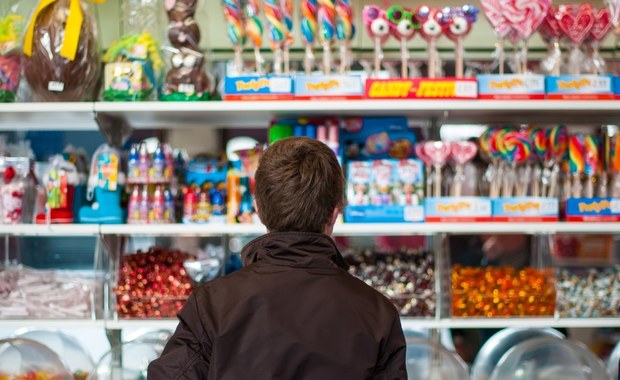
<point>299,184</point>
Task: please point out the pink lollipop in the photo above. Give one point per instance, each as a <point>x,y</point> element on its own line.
<point>428,164</point>
<point>378,29</point>
<point>595,64</point>
<point>576,23</point>
<point>461,153</point>
<point>551,32</point>
<point>431,27</point>
<point>525,17</point>
<point>499,24</point>
<point>438,153</point>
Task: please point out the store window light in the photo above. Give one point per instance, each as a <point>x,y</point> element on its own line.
<point>461,132</point>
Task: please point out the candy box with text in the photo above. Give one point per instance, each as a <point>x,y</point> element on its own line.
<point>593,209</point>
<point>422,88</point>
<point>334,87</point>
<point>258,87</point>
<point>384,191</point>
<point>580,87</point>
<point>511,86</point>
<point>617,86</point>
<point>525,209</point>
<point>457,209</point>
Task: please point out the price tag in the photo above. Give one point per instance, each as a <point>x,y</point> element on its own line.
<point>466,89</point>
<point>187,88</point>
<point>280,85</point>
<point>56,86</point>
<point>615,206</point>
<point>414,213</point>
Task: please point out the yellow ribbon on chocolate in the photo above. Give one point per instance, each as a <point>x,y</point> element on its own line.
<point>72,28</point>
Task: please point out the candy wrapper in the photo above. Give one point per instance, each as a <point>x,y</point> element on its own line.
<point>254,30</point>
<point>378,29</point>
<point>278,32</point>
<point>432,25</point>
<point>133,68</point>
<point>186,79</point>
<point>62,60</point>
<point>345,32</point>
<point>309,28</point>
<point>327,23</point>
<point>235,30</point>
<point>576,22</point>
<point>500,25</point>
<point>11,32</point>
<point>459,23</point>
<point>403,26</point>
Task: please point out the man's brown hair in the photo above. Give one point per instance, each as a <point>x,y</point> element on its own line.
<point>299,183</point>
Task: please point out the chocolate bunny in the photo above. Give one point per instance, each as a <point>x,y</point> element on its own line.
<point>179,10</point>
<point>184,33</point>
<point>187,74</point>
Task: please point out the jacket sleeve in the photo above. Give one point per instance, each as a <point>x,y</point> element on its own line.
<point>187,353</point>
<point>392,362</point>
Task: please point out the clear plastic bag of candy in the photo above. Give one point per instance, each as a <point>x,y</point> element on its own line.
<point>12,24</point>
<point>61,52</point>
<point>22,359</point>
<point>133,64</point>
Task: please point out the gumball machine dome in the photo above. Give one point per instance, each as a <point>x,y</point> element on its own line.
<point>26,359</point>
<point>548,358</point>
<point>128,361</point>
<point>430,361</point>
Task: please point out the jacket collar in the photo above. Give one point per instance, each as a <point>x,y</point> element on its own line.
<point>294,249</point>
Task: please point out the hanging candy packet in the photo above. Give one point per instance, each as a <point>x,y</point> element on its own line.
<point>133,63</point>
<point>11,32</point>
<point>61,51</point>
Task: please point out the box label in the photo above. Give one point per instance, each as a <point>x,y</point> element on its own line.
<point>594,209</point>
<point>580,87</point>
<point>383,214</point>
<point>461,209</point>
<point>422,88</point>
<point>617,86</point>
<point>331,87</point>
<point>512,86</point>
<point>258,88</point>
<point>525,209</point>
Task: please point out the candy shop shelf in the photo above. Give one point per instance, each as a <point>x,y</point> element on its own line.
<point>467,323</point>
<point>51,323</point>
<point>367,229</point>
<point>239,114</point>
<point>164,324</point>
<point>50,229</point>
<point>47,116</point>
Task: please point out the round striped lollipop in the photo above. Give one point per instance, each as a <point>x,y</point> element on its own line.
<point>516,147</point>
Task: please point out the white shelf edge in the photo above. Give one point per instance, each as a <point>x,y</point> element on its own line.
<point>51,323</point>
<point>164,324</point>
<point>47,107</point>
<point>182,229</point>
<point>344,229</point>
<point>533,322</point>
<point>50,229</point>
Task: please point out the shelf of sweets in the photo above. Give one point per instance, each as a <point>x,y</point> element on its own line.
<point>241,114</point>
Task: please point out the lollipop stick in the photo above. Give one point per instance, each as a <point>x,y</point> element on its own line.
<point>457,186</point>
<point>524,57</point>
<point>238,59</point>
<point>459,57</point>
<point>553,181</point>
<point>536,183</point>
<point>558,57</point>
<point>615,186</point>
<point>259,60</point>
<point>404,56</point>
<point>309,59</point>
<point>277,62</point>
<point>589,191</point>
<point>429,181</point>
<point>432,58</point>
<point>576,191</point>
<point>437,183</point>
<point>343,59</point>
<point>502,55</point>
<point>603,183</point>
<point>327,58</point>
<point>378,56</point>
<point>286,57</point>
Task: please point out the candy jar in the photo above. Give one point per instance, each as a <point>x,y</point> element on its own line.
<point>11,31</point>
<point>61,62</point>
<point>134,363</point>
<point>12,194</point>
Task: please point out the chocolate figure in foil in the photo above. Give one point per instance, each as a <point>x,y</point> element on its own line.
<point>187,74</point>
<point>51,72</point>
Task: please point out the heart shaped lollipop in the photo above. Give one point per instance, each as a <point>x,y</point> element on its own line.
<point>602,24</point>
<point>463,151</point>
<point>525,16</point>
<point>575,22</point>
<point>494,15</point>
<point>438,152</point>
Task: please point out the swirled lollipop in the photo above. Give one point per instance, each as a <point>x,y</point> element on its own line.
<point>461,20</point>
<point>516,148</point>
<point>345,31</point>
<point>278,31</point>
<point>287,12</point>
<point>309,27</point>
<point>403,26</point>
<point>327,23</point>
<point>254,30</point>
<point>577,162</point>
<point>378,28</point>
<point>235,30</point>
<point>494,15</point>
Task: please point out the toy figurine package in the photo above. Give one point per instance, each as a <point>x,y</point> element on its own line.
<point>11,31</point>
<point>205,193</point>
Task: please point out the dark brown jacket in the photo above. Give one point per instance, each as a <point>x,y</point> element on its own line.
<point>293,312</point>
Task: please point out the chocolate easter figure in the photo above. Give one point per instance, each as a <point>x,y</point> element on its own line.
<point>187,76</point>
<point>184,33</point>
<point>53,77</point>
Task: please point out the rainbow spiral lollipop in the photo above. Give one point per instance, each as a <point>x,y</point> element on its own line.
<point>287,11</point>
<point>577,162</point>
<point>278,30</point>
<point>254,30</point>
<point>557,141</point>
<point>235,30</point>
<point>309,26</point>
<point>327,22</point>
<point>345,31</point>
<point>591,150</point>
<point>539,142</point>
<point>515,147</point>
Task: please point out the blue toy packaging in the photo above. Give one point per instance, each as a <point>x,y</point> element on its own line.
<point>593,209</point>
<point>386,190</point>
<point>580,87</point>
<point>205,194</point>
<point>255,87</point>
<point>334,87</point>
<point>526,209</point>
<point>377,138</point>
<point>457,209</point>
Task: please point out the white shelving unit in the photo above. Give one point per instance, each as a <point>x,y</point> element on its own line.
<point>184,115</point>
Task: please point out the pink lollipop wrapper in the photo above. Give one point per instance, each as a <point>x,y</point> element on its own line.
<point>524,16</point>
<point>378,28</point>
<point>438,152</point>
<point>419,152</point>
<point>463,151</point>
<point>494,15</point>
